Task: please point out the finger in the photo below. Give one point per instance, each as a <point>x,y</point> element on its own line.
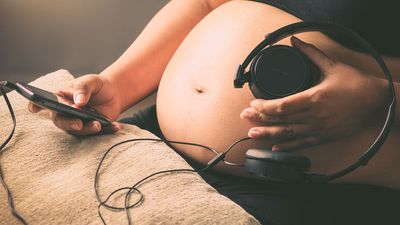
<point>84,87</point>
<point>66,123</point>
<point>296,144</point>
<point>255,116</point>
<point>77,127</point>
<point>94,127</point>
<point>283,106</point>
<point>313,53</point>
<point>89,128</point>
<point>279,132</point>
<point>113,128</point>
<point>251,114</point>
<point>34,108</point>
<point>65,96</point>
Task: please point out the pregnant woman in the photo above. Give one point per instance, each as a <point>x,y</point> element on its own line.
<point>190,52</point>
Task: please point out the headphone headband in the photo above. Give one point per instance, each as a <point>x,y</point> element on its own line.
<point>301,27</point>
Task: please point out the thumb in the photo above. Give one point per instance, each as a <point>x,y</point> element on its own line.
<point>313,53</point>
<point>84,87</point>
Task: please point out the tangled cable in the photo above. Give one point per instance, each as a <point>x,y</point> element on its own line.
<point>134,188</point>
<point>10,199</point>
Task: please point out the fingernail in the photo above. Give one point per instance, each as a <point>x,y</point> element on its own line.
<point>254,133</point>
<point>116,127</point>
<point>245,114</point>
<point>297,40</point>
<point>275,148</point>
<point>75,126</point>
<point>30,108</point>
<point>97,126</point>
<point>79,98</point>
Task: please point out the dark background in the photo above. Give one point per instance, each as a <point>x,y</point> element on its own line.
<point>82,36</point>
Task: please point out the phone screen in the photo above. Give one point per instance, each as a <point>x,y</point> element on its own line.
<point>44,94</point>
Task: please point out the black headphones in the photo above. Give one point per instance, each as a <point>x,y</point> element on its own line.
<point>277,71</point>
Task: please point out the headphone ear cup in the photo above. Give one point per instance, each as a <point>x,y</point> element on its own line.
<point>277,166</point>
<point>280,70</point>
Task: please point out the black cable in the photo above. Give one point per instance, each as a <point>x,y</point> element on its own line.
<point>127,141</point>
<point>235,143</point>
<point>134,188</point>
<point>10,198</point>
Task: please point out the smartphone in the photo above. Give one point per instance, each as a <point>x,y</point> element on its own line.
<point>50,101</point>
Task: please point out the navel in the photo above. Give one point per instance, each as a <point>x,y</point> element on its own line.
<point>199,90</point>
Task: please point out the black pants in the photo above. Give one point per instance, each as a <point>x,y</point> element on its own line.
<point>288,204</point>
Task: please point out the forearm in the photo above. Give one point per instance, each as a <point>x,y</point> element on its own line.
<point>138,71</point>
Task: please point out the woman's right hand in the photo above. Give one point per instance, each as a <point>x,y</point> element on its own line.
<point>94,91</point>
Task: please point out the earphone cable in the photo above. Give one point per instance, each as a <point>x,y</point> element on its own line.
<point>10,198</point>
<point>134,188</point>
<point>219,157</point>
<point>96,179</point>
<point>230,148</point>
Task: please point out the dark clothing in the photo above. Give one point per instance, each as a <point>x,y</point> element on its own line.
<point>288,204</point>
<point>376,21</point>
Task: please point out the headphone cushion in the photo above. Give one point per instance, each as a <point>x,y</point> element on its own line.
<point>279,71</point>
<point>284,158</point>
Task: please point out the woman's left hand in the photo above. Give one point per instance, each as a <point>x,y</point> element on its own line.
<point>346,101</point>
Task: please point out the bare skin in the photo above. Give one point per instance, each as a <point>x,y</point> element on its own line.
<point>193,65</point>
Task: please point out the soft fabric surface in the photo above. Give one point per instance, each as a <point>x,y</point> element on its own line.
<point>51,175</point>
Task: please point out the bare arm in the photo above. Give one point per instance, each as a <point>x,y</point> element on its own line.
<point>138,71</point>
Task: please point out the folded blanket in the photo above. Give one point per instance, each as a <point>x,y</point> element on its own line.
<point>51,175</point>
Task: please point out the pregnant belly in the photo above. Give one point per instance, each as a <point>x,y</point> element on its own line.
<point>197,102</point>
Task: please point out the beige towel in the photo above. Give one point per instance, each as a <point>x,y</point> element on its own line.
<point>51,175</point>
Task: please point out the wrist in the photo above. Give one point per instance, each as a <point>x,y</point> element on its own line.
<point>381,95</point>
<point>108,83</point>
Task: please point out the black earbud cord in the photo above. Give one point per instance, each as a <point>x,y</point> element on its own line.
<point>129,190</point>
<point>11,205</point>
<point>135,188</point>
